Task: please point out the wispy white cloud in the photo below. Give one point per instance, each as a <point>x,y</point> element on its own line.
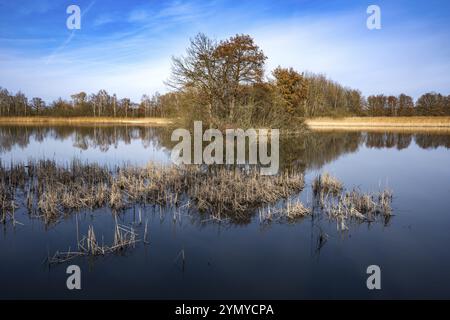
<point>405,57</point>
<point>104,19</point>
<point>34,7</point>
<point>342,48</point>
<point>139,15</point>
<point>177,9</point>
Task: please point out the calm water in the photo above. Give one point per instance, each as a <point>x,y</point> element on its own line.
<point>246,260</point>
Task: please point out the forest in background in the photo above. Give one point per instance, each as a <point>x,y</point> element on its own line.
<point>224,83</point>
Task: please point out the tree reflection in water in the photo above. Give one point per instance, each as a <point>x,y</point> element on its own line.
<point>304,151</point>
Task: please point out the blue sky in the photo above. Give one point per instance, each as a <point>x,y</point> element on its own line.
<point>126,46</point>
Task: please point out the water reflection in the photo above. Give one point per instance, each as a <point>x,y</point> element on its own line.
<point>304,151</point>
<point>83,137</point>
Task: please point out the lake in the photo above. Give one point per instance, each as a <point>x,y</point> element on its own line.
<point>251,260</point>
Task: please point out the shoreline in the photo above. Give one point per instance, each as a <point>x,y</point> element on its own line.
<point>441,124</point>
<point>84,120</point>
<point>379,123</point>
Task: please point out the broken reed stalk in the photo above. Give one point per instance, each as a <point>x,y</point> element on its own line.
<point>124,237</point>
<point>146,232</point>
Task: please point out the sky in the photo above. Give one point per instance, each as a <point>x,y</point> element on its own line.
<point>126,47</point>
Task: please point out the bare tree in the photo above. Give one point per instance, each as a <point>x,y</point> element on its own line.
<point>38,104</point>
<point>218,70</point>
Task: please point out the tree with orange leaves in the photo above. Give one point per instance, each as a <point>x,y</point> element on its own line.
<point>293,89</point>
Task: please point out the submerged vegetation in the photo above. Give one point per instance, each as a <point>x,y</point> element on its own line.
<point>124,237</point>
<point>326,183</point>
<point>341,205</point>
<point>50,191</point>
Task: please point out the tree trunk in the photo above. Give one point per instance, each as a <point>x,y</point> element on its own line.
<point>232,106</point>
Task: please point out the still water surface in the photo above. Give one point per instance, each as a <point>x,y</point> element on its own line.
<point>249,260</point>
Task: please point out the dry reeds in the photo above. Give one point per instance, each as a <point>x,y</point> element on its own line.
<point>124,237</point>
<point>296,210</point>
<point>7,199</point>
<point>154,121</point>
<point>49,190</point>
<point>327,184</point>
<point>340,205</point>
<point>232,191</point>
<point>380,122</point>
<point>290,211</point>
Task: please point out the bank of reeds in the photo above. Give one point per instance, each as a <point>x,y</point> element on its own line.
<point>153,121</point>
<point>381,122</point>
<point>50,191</point>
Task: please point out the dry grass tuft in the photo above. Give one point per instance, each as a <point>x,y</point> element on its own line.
<point>327,184</point>
<point>355,205</point>
<point>290,211</point>
<point>225,191</point>
<point>331,198</point>
<point>124,237</point>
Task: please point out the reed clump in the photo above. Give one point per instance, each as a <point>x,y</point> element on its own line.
<point>365,206</point>
<point>296,210</point>
<point>8,204</point>
<point>289,211</point>
<point>233,191</point>
<point>340,205</point>
<point>124,237</point>
<point>327,184</point>
<point>49,190</point>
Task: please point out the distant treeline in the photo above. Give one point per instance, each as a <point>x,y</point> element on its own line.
<point>100,104</point>
<point>224,83</point>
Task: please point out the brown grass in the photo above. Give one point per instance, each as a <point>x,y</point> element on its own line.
<point>355,205</point>
<point>290,211</point>
<point>49,191</point>
<point>84,120</point>
<point>326,183</point>
<point>379,122</point>
<point>228,191</point>
<point>124,238</point>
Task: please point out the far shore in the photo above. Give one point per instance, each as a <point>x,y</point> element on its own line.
<point>319,123</point>
<point>85,120</point>
<point>379,123</point>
